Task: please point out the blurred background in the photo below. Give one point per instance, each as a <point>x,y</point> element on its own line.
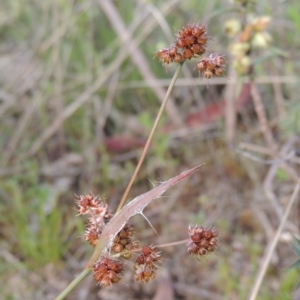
<point>79,91</point>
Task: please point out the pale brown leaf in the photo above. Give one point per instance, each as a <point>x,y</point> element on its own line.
<point>134,207</point>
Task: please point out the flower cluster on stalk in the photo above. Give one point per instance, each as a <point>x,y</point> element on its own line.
<point>123,242</point>
<point>191,41</point>
<point>99,216</point>
<point>107,270</point>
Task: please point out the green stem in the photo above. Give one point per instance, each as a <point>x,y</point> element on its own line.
<point>73,284</point>
<point>162,107</point>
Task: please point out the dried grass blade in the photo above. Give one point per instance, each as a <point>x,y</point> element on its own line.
<point>134,207</point>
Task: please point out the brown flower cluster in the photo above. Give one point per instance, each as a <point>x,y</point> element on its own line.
<point>145,265</point>
<point>211,66</point>
<point>99,216</point>
<point>123,242</point>
<point>191,42</point>
<point>107,271</point>
<point>202,240</point>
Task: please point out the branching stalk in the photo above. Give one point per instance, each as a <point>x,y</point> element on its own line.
<point>99,246</point>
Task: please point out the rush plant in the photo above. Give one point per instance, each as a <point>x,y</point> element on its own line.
<point>110,233</point>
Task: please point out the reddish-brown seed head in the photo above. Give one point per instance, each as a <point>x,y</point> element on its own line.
<point>202,241</point>
<point>188,53</point>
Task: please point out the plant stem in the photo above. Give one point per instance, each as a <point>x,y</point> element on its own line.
<point>86,271</point>
<point>156,246</point>
<point>173,244</point>
<point>73,284</point>
<point>162,107</point>
<point>272,247</point>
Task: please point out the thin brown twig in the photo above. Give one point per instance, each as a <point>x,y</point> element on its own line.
<point>259,109</point>
<point>230,108</point>
<point>263,150</point>
<point>278,96</point>
<point>156,246</point>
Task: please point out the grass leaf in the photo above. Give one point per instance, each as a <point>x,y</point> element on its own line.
<point>134,207</point>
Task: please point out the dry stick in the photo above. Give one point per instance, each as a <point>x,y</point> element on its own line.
<point>150,137</point>
<point>273,245</point>
<point>230,108</point>
<point>173,244</point>
<point>262,118</point>
<point>278,95</point>
<point>263,150</point>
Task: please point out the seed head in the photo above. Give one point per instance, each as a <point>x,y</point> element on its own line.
<point>99,216</point>
<point>211,66</point>
<point>145,264</point>
<point>144,273</point>
<point>107,271</point>
<point>86,203</point>
<point>202,240</point>
<point>124,242</point>
<point>92,234</point>
<point>190,41</point>
<point>188,53</point>
<point>169,55</point>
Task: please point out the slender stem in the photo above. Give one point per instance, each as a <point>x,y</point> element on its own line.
<point>163,105</point>
<point>272,247</point>
<point>167,245</point>
<point>156,246</point>
<point>173,243</point>
<point>259,109</point>
<point>73,284</point>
